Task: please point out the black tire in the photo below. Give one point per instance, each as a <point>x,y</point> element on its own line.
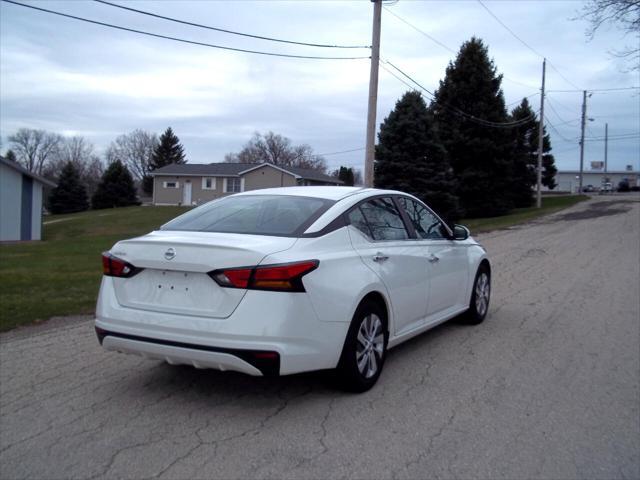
<point>369,317</point>
<point>477,309</point>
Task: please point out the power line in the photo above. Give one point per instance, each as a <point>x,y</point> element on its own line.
<point>509,30</point>
<point>166,37</point>
<point>232,32</point>
<point>517,82</point>
<point>595,90</point>
<point>621,136</point>
<point>422,32</point>
<point>547,122</point>
<point>559,104</point>
<point>519,101</point>
<point>340,152</point>
<point>398,78</point>
<point>570,149</point>
<point>562,76</point>
<point>446,47</point>
<point>614,139</point>
<point>525,43</point>
<point>457,111</point>
<point>553,109</point>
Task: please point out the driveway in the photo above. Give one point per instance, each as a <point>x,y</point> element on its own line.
<point>547,387</point>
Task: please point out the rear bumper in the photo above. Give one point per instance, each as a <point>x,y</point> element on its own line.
<point>174,353</point>
<point>263,323</point>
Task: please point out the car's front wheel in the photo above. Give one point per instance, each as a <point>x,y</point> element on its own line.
<point>480,296</point>
<point>365,348</point>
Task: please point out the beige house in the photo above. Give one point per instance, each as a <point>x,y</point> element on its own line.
<point>195,184</point>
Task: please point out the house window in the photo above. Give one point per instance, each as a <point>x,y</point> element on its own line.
<point>234,185</point>
<point>170,184</point>
<point>209,183</point>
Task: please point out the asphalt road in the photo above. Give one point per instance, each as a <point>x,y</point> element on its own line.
<point>548,387</point>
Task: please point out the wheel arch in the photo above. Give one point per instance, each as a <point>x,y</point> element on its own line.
<point>378,298</point>
<point>476,263</point>
<point>485,263</point>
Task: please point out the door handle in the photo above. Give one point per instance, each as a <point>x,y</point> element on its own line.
<point>433,258</point>
<point>380,257</point>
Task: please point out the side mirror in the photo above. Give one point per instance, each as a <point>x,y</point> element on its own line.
<point>460,232</point>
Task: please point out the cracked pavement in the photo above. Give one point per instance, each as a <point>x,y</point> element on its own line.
<point>547,387</point>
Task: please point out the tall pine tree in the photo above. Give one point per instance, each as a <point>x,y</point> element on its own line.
<point>524,155</point>
<point>116,188</point>
<point>526,141</point>
<point>168,150</point>
<point>409,157</point>
<point>480,155</point>
<point>69,195</point>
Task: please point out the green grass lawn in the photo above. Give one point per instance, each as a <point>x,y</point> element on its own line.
<point>60,275</point>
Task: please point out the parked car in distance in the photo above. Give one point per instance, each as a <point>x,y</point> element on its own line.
<point>287,280</point>
<point>588,189</point>
<point>607,187</point>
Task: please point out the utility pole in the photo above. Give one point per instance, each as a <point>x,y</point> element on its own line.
<point>584,119</point>
<point>606,145</point>
<point>541,137</point>
<point>373,95</point>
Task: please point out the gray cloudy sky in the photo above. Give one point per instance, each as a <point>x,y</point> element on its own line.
<point>76,78</point>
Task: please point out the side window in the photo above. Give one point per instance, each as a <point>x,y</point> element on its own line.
<point>357,220</point>
<point>426,223</point>
<point>384,220</point>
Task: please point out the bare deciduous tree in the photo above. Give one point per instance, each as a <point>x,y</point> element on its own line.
<point>80,153</point>
<point>92,173</point>
<point>33,148</point>
<point>625,14</point>
<point>278,150</point>
<point>73,149</point>
<point>135,150</point>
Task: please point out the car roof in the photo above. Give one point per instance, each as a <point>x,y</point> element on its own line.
<point>329,193</point>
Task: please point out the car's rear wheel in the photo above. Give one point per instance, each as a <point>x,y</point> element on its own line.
<point>365,348</point>
<point>480,296</point>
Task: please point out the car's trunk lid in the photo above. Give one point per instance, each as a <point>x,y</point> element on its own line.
<point>175,264</point>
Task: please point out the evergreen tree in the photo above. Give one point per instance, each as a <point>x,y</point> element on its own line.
<point>527,141</point>
<point>69,195</point>
<point>480,154</point>
<point>346,175</point>
<point>549,169</point>
<point>11,156</point>
<point>116,188</point>
<point>525,155</point>
<point>167,151</point>
<point>409,157</point>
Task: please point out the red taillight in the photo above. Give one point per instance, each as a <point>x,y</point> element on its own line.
<point>235,277</point>
<point>115,267</point>
<point>283,277</point>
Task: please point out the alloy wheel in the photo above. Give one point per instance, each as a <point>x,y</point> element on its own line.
<point>370,347</point>
<point>483,290</point>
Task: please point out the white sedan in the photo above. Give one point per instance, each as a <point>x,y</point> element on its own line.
<point>287,280</point>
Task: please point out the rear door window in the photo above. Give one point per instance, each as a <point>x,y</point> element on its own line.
<point>382,219</point>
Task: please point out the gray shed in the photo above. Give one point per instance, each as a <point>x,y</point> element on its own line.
<point>20,202</point>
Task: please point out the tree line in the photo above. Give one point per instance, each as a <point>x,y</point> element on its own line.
<point>80,174</point>
<point>83,182</point>
<point>464,153</point>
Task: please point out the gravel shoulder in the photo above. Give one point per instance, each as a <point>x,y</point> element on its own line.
<point>547,387</point>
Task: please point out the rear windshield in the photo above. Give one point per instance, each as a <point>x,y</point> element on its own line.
<point>277,215</point>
